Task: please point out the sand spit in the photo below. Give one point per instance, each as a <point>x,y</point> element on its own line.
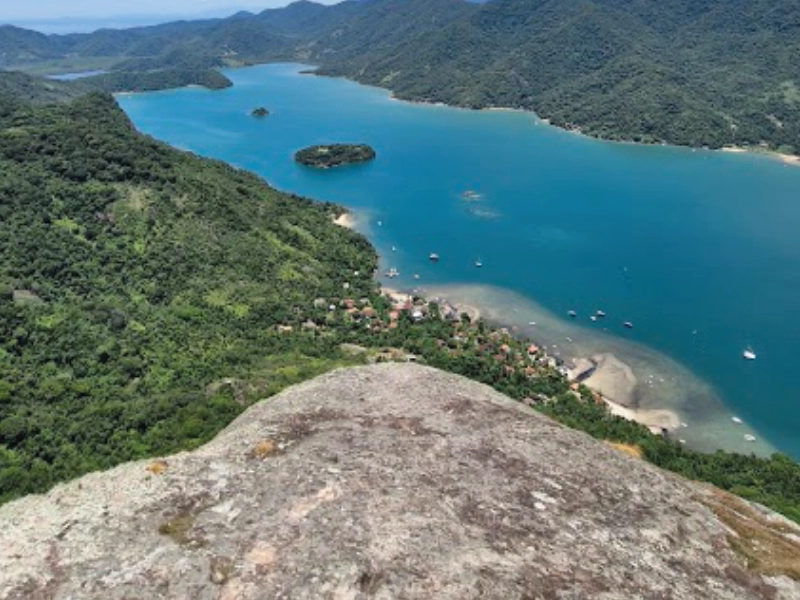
<point>346,220</point>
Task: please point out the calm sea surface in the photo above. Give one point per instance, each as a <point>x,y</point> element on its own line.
<point>699,250</point>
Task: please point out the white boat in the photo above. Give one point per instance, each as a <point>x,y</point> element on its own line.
<point>749,354</point>
<point>572,314</point>
<point>434,257</point>
<point>601,314</point>
<point>749,438</point>
<point>628,325</point>
<point>736,420</point>
<point>478,263</point>
<point>593,318</point>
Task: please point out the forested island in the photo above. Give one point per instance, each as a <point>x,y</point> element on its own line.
<point>334,155</point>
<point>260,112</point>
<point>149,296</point>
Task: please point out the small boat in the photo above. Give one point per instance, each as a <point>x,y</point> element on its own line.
<point>380,223</point>
<point>600,314</point>
<point>749,438</point>
<point>434,257</point>
<point>572,314</point>
<point>532,323</point>
<point>416,276</point>
<point>736,420</point>
<point>749,354</point>
<point>478,263</point>
<point>628,325</point>
<point>394,249</point>
<point>593,318</point>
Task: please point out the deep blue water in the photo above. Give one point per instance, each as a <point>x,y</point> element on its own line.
<point>700,250</point>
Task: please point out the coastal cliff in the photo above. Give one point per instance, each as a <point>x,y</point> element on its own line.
<point>393,481</point>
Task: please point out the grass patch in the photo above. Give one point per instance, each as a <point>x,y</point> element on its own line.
<point>768,546</point>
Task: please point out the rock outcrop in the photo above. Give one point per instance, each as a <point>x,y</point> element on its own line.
<point>389,481</point>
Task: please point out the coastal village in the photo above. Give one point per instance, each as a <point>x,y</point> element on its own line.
<point>459,335</point>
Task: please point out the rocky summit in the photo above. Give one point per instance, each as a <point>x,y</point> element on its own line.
<point>393,481</point>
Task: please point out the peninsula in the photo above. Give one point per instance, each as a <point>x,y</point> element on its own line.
<point>334,155</point>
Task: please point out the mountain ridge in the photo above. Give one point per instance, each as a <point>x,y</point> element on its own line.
<point>717,73</point>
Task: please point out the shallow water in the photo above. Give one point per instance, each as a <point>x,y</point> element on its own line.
<point>76,76</point>
<point>698,249</point>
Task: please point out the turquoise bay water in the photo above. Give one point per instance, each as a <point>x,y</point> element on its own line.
<point>700,250</point>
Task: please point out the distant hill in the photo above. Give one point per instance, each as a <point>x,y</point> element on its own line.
<point>696,73</point>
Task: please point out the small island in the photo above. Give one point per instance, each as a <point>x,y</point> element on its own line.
<point>334,155</point>
<point>260,112</point>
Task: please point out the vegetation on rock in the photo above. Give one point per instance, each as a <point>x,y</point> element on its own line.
<point>260,112</point>
<point>334,155</point>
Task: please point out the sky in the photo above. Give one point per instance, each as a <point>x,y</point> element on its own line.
<point>12,11</point>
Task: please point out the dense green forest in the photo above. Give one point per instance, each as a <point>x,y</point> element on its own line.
<point>334,155</point>
<point>722,72</point>
<point>39,90</point>
<point>133,280</point>
<point>150,81</point>
<point>148,296</point>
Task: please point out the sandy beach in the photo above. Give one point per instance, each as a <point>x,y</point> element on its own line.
<point>612,378</point>
<point>657,420</point>
<point>787,159</point>
<point>346,219</point>
<point>615,381</point>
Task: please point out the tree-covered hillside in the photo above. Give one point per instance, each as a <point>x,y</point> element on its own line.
<point>709,73</point>
<point>132,278</point>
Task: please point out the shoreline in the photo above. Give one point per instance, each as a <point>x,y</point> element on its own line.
<point>787,159</point>
<point>610,374</point>
<point>635,382</point>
